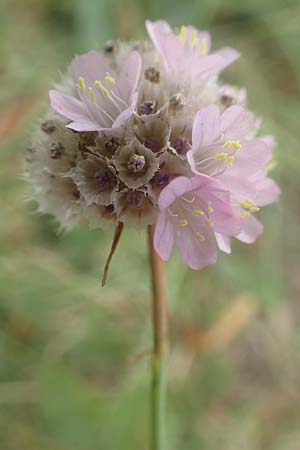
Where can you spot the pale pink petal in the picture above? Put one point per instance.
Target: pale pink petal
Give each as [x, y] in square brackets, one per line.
[223, 242]
[206, 127]
[175, 189]
[164, 236]
[84, 125]
[121, 119]
[252, 228]
[237, 122]
[253, 156]
[227, 56]
[91, 66]
[197, 254]
[68, 106]
[267, 192]
[129, 75]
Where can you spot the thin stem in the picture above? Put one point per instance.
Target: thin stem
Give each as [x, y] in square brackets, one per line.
[160, 350]
[117, 235]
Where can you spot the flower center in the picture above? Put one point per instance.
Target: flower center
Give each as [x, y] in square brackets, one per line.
[48, 126]
[182, 145]
[148, 107]
[136, 163]
[136, 199]
[105, 179]
[152, 75]
[112, 145]
[56, 150]
[177, 101]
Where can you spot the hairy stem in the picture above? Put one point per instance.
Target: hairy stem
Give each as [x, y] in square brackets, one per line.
[160, 350]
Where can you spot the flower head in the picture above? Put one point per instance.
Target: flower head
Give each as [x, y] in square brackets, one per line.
[146, 134]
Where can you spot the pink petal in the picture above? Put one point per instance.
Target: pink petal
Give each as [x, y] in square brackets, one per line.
[121, 119]
[223, 242]
[68, 106]
[252, 228]
[173, 190]
[253, 156]
[196, 254]
[267, 192]
[206, 127]
[227, 56]
[236, 122]
[91, 66]
[129, 76]
[164, 236]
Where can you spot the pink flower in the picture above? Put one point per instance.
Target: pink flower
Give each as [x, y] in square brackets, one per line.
[101, 100]
[248, 193]
[221, 143]
[191, 211]
[188, 53]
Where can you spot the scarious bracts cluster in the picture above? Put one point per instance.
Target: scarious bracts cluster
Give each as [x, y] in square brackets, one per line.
[147, 133]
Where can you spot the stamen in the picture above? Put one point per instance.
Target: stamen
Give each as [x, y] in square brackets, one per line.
[221, 156]
[188, 200]
[194, 40]
[81, 83]
[246, 214]
[110, 80]
[92, 94]
[184, 223]
[172, 213]
[272, 165]
[208, 222]
[183, 34]
[210, 209]
[236, 145]
[203, 47]
[200, 236]
[198, 212]
[103, 89]
[229, 161]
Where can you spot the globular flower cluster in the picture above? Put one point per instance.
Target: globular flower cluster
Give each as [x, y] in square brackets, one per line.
[146, 133]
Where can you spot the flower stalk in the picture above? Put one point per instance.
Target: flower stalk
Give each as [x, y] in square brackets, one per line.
[160, 348]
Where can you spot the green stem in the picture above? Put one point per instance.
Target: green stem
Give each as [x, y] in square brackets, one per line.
[160, 350]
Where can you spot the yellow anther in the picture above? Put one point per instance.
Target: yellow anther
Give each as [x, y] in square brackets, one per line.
[246, 214]
[92, 94]
[198, 213]
[208, 222]
[110, 80]
[210, 209]
[236, 145]
[184, 223]
[221, 156]
[229, 161]
[81, 83]
[183, 34]
[203, 47]
[272, 165]
[247, 204]
[194, 39]
[104, 91]
[250, 206]
[200, 236]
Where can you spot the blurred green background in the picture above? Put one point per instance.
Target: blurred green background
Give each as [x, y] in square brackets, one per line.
[70, 374]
